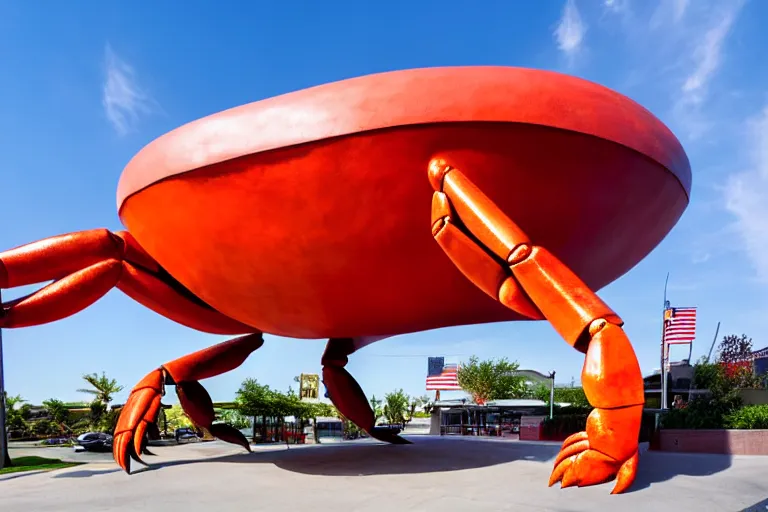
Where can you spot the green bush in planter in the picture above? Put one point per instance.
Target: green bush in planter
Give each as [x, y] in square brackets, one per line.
[748, 417]
[575, 420]
[564, 424]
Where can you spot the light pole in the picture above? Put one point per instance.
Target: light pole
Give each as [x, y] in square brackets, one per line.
[5, 458]
[552, 395]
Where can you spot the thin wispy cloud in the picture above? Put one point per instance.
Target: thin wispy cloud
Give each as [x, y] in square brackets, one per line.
[669, 11]
[745, 198]
[123, 98]
[707, 56]
[570, 30]
[706, 59]
[678, 9]
[616, 6]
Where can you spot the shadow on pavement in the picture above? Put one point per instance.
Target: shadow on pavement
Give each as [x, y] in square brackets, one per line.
[761, 506]
[359, 459]
[655, 467]
[432, 455]
[86, 473]
[14, 476]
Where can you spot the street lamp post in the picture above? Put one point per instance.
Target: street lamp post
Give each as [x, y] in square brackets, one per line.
[5, 458]
[552, 395]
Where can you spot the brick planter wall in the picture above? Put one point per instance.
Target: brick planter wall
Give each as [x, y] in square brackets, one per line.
[729, 442]
[530, 428]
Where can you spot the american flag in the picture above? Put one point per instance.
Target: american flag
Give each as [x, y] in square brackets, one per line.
[679, 325]
[442, 377]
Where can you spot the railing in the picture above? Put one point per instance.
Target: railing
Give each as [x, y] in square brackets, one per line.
[473, 430]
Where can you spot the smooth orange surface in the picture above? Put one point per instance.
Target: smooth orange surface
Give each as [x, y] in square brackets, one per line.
[333, 238]
[407, 98]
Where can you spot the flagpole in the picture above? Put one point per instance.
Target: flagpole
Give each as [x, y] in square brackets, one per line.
[4, 456]
[664, 356]
[714, 340]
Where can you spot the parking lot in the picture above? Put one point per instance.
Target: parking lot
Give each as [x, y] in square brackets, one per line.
[434, 473]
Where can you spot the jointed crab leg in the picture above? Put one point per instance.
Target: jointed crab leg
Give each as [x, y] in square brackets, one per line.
[87, 264]
[611, 376]
[346, 394]
[143, 404]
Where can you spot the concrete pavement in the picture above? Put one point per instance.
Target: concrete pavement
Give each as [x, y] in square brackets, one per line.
[441, 474]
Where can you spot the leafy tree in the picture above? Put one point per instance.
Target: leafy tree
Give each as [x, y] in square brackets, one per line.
[710, 410]
[323, 410]
[734, 349]
[734, 354]
[258, 401]
[397, 408]
[574, 396]
[491, 380]
[17, 412]
[57, 411]
[233, 418]
[102, 388]
[47, 428]
[254, 399]
[378, 411]
[175, 417]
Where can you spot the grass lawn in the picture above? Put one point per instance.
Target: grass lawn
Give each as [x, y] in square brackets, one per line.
[36, 464]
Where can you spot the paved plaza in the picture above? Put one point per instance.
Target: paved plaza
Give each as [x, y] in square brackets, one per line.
[440, 474]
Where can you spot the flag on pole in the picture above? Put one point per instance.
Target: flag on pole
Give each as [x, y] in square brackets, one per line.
[441, 376]
[679, 326]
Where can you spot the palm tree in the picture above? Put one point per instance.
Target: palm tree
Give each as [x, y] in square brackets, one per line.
[102, 388]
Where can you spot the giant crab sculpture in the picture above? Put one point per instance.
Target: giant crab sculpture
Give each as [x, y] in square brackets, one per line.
[307, 215]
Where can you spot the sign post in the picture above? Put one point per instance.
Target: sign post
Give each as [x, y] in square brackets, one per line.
[5, 459]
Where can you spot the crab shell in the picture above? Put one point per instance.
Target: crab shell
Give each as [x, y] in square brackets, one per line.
[308, 214]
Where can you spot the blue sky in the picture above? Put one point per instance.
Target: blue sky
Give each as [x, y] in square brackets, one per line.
[83, 89]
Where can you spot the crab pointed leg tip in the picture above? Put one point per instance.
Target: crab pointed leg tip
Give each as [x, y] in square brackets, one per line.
[568, 480]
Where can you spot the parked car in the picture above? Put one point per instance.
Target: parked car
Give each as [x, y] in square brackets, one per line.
[186, 435]
[395, 429]
[56, 440]
[94, 442]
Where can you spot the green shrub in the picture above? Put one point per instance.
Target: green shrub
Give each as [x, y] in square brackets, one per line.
[576, 421]
[748, 417]
[702, 413]
[564, 424]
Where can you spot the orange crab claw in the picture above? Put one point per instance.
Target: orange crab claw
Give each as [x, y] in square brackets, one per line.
[141, 409]
[139, 415]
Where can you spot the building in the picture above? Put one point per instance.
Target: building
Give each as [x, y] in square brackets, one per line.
[679, 380]
[495, 418]
[761, 361]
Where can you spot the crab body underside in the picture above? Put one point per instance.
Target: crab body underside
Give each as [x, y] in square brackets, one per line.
[327, 234]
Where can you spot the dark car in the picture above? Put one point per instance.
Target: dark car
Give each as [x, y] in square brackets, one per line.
[186, 435]
[94, 442]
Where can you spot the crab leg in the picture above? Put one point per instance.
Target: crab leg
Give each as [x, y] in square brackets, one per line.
[143, 405]
[611, 376]
[84, 266]
[346, 394]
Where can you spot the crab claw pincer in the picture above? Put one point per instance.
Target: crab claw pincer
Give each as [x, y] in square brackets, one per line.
[140, 410]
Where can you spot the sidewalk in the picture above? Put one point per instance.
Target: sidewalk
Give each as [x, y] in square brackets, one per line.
[440, 474]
